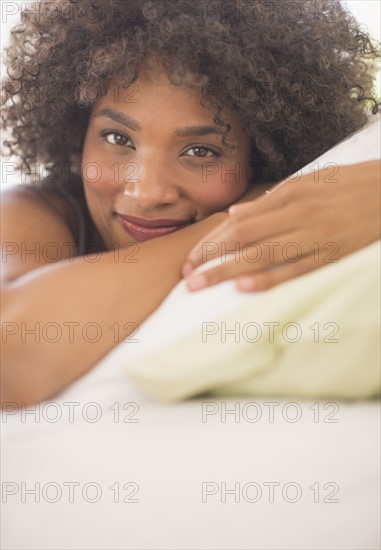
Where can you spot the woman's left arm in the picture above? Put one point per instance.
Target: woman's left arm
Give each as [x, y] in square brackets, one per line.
[297, 227]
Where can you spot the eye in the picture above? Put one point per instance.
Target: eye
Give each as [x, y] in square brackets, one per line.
[115, 138]
[202, 152]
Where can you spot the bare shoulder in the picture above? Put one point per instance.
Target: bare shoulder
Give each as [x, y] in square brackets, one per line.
[37, 229]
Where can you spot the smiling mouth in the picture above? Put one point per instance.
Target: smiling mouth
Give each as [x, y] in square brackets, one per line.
[144, 232]
[153, 222]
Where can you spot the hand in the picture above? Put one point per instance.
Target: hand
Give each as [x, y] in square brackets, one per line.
[296, 228]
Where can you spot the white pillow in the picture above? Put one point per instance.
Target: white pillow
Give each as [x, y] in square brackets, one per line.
[362, 146]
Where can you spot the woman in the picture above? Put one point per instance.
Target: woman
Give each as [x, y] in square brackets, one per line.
[151, 120]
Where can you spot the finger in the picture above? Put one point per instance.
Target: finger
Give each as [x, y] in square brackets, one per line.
[238, 233]
[227, 270]
[252, 258]
[207, 246]
[262, 203]
[281, 194]
[265, 280]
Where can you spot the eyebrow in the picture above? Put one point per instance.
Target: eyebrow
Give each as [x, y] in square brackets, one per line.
[119, 117]
[129, 122]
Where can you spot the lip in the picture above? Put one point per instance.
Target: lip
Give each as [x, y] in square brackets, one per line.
[154, 222]
[157, 227]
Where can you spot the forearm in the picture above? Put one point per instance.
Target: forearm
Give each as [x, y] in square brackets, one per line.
[80, 310]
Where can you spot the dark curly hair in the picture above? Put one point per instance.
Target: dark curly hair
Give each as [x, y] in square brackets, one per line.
[301, 74]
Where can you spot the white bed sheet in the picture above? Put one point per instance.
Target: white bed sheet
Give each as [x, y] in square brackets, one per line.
[170, 452]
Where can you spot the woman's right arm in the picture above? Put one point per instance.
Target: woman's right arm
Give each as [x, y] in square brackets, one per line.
[59, 319]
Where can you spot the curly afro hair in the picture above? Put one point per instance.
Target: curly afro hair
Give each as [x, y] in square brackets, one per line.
[301, 74]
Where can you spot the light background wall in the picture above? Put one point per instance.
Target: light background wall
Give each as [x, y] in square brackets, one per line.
[367, 12]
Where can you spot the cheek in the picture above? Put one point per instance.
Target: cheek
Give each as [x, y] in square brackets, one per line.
[222, 188]
[98, 177]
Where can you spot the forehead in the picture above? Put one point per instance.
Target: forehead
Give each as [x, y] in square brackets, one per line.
[153, 90]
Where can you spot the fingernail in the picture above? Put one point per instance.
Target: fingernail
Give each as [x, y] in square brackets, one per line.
[236, 210]
[246, 283]
[233, 209]
[187, 269]
[197, 282]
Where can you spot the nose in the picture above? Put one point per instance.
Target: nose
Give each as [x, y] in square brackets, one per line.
[151, 185]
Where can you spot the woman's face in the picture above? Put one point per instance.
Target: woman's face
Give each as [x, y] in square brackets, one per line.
[153, 152]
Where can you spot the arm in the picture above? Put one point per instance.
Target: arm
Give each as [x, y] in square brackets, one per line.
[113, 296]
